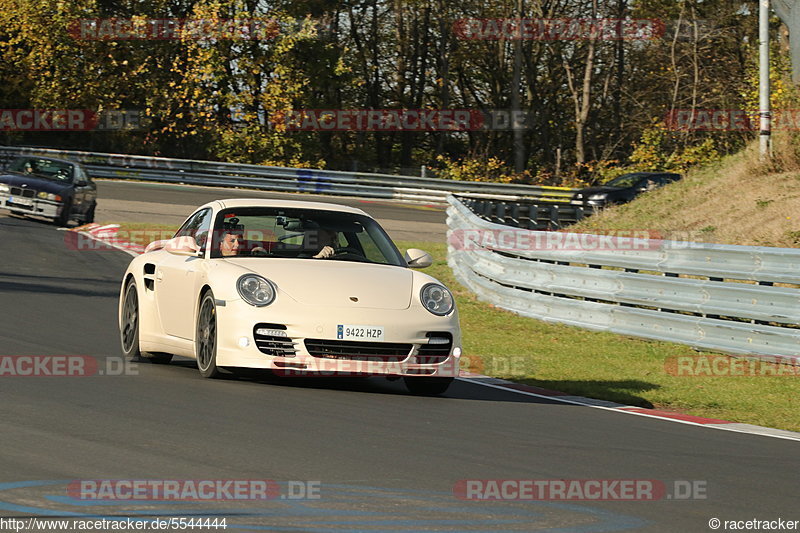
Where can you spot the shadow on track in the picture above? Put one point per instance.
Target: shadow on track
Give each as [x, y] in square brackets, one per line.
[182, 367]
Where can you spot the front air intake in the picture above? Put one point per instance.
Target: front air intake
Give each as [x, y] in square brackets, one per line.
[271, 339]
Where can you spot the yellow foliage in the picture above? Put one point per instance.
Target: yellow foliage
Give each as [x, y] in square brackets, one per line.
[474, 169]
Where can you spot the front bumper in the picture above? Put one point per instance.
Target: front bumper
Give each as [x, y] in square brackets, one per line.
[236, 346]
[30, 206]
[588, 203]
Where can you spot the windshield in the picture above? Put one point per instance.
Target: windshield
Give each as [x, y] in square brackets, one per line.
[264, 232]
[43, 168]
[626, 180]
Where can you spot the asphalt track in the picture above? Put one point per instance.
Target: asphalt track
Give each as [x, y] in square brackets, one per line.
[141, 202]
[384, 460]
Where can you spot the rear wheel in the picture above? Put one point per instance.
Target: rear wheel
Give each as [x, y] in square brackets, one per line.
[427, 386]
[129, 327]
[206, 337]
[129, 330]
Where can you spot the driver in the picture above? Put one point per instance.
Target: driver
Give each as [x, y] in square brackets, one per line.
[29, 167]
[327, 239]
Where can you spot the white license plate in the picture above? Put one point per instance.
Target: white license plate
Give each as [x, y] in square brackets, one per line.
[19, 201]
[351, 332]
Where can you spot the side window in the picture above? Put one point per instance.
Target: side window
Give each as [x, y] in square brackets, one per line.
[197, 226]
[650, 183]
[370, 248]
[80, 174]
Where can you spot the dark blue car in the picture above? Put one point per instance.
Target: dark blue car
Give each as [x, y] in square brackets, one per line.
[51, 188]
[622, 189]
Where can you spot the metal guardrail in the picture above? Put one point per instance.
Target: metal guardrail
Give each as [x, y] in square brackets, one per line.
[541, 213]
[367, 185]
[730, 304]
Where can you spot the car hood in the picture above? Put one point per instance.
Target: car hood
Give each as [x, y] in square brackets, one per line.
[321, 282]
[38, 184]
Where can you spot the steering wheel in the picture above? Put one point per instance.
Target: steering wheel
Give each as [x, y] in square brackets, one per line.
[345, 250]
[259, 252]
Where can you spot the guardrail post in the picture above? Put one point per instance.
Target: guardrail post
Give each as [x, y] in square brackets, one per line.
[533, 216]
[553, 223]
[501, 213]
[515, 214]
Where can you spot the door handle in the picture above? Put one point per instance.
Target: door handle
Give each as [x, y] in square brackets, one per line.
[159, 276]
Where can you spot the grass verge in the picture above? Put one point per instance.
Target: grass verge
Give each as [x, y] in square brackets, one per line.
[593, 364]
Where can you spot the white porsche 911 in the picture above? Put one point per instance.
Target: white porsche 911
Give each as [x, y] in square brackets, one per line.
[300, 288]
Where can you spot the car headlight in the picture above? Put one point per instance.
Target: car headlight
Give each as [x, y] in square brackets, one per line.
[436, 299]
[256, 290]
[597, 197]
[4, 187]
[48, 196]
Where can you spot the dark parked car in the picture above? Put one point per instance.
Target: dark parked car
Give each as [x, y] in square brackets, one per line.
[622, 189]
[51, 188]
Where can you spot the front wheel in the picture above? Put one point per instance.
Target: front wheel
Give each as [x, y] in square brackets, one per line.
[427, 386]
[206, 337]
[62, 220]
[90, 214]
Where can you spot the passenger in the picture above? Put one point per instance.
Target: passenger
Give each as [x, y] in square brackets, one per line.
[229, 245]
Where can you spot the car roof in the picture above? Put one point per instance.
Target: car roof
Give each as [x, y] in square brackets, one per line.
[289, 204]
[649, 174]
[57, 159]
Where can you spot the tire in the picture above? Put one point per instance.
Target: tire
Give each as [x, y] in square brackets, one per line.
[129, 332]
[62, 220]
[129, 328]
[206, 337]
[427, 386]
[90, 217]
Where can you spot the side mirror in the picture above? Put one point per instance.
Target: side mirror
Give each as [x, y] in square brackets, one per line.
[82, 183]
[183, 246]
[418, 258]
